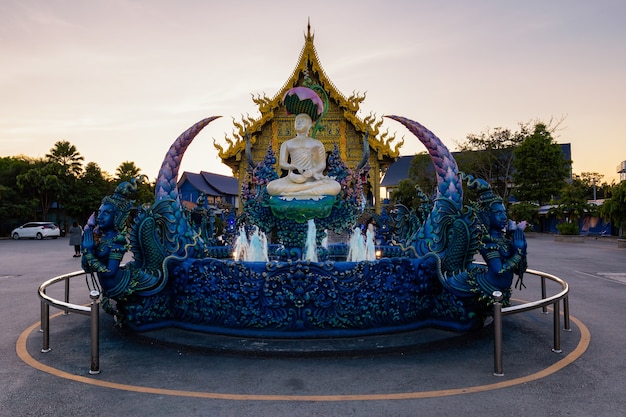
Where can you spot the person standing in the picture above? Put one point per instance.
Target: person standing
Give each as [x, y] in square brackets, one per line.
[76, 237]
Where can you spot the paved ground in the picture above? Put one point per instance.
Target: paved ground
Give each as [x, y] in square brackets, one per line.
[440, 374]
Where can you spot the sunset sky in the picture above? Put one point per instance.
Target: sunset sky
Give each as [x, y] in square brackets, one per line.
[121, 79]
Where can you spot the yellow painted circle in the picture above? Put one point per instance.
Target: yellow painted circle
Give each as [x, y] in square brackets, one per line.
[582, 346]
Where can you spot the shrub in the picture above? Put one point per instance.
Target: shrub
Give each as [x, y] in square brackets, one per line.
[568, 228]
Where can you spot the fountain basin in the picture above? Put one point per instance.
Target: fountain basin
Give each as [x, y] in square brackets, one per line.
[299, 299]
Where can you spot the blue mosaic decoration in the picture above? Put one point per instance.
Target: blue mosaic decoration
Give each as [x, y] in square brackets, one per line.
[425, 278]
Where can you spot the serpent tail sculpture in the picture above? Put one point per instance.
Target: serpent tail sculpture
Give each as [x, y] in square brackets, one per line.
[448, 204]
[168, 174]
[449, 235]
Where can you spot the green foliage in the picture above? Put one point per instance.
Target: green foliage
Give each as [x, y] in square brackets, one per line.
[422, 173]
[67, 156]
[89, 189]
[596, 189]
[524, 211]
[568, 228]
[145, 190]
[540, 167]
[614, 208]
[489, 155]
[14, 205]
[65, 159]
[572, 202]
[127, 171]
[42, 183]
[29, 186]
[406, 194]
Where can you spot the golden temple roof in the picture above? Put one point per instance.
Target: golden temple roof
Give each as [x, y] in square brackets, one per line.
[309, 66]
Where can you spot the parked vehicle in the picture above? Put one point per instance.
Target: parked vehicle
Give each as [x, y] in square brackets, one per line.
[36, 230]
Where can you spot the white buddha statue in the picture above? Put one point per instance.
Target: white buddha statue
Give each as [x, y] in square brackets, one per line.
[305, 160]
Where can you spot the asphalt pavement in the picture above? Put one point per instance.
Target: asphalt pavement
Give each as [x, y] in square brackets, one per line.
[424, 373]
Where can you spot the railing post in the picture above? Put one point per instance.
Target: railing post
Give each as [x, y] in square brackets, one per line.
[566, 324]
[497, 334]
[557, 328]
[95, 332]
[41, 319]
[45, 326]
[67, 294]
[544, 309]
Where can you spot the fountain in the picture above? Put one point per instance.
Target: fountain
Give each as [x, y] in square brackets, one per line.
[310, 247]
[356, 247]
[370, 246]
[240, 251]
[257, 247]
[427, 278]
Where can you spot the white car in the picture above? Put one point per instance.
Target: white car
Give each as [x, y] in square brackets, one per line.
[36, 230]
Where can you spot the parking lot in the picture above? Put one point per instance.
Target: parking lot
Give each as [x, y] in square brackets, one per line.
[436, 374]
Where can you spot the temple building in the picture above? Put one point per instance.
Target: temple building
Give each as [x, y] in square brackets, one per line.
[218, 190]
[340, 126]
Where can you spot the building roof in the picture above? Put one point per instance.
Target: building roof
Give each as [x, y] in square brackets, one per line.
[211, 184]
[397, 171]
[224, 184]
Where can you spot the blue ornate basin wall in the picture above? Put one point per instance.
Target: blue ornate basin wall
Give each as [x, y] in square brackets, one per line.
[303, 299]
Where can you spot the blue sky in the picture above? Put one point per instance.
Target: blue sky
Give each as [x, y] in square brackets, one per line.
[122, 79]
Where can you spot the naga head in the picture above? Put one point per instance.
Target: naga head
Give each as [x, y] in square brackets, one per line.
[489, 205]
[120, 202]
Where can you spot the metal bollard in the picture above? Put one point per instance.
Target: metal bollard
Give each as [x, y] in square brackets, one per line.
[497, 334]
[95, 333]
[45, 327]
[67, 295]
[566, 324]
[556, 328]
[544, 309]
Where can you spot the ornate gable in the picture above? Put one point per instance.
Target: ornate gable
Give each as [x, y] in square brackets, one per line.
[340, 125]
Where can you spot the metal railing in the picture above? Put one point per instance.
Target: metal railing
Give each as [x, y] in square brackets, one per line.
[498, 312]
[93, 311]
[543, 303]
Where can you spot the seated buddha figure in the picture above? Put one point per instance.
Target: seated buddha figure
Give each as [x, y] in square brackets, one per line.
[305, 160]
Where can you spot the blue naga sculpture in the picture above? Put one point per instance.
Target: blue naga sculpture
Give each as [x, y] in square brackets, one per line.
[429, 280]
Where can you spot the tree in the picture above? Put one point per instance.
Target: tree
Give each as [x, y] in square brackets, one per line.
[43, 184]
[422, 173]
[126, 171]
[595, 188]
[572, 205]
[145, 190]
[489, 155]
[524, 211]
[406, 194]
[66, 155]
[15, 207]
[68, 163]
[614, 208]
[90, 188]
[540, 169]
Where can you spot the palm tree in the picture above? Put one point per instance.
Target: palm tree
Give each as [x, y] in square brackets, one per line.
[145, 190]
[66, 155]
[126, 171]
[68, 163]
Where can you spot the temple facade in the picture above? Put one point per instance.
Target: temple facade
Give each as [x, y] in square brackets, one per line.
[340, 126]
